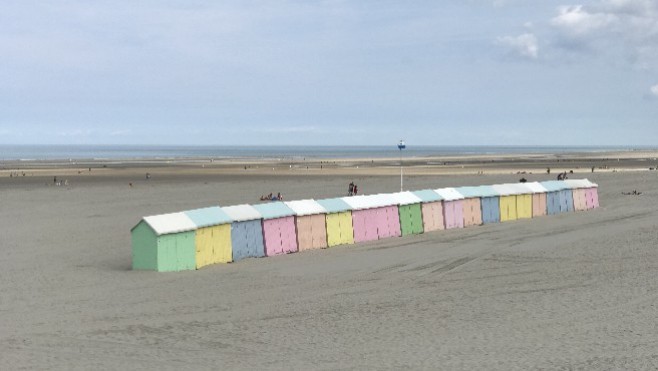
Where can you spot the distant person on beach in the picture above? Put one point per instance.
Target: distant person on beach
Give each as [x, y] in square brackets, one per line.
[279, 197]
[356, 190]
[523, 180]
[350, 189]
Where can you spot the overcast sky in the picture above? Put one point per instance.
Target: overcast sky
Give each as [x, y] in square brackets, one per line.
[459, 72]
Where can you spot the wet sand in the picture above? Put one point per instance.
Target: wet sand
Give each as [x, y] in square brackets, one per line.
[578, 290]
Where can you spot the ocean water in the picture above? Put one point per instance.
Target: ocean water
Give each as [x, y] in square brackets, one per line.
[116, 152]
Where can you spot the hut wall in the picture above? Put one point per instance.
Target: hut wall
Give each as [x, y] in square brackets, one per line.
[213, 245]
[579, 199]
[553, 203]
[592, 196]
[247, 240]
[566, 200]
[472, 212]
[311, 232]
[490, 210]
[432, 216]
[365, 225]
[176, 252]
[144, 247]
[411, 220]
[507, 208]
[524, 206]
[538, 204]
[453, 214]
[339, 229]
[279, 236]
[392, 226]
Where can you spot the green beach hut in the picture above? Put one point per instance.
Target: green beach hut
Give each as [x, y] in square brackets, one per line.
[164, 243]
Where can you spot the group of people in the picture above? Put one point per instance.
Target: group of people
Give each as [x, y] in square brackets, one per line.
[271, 197]
[562, 176]
[352, 189]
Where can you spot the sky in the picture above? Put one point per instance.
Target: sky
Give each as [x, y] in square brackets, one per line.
[438, 72]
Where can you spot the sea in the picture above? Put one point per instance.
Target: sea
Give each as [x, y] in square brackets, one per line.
[118, 152]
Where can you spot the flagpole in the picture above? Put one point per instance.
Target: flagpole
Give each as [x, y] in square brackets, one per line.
[401, 146]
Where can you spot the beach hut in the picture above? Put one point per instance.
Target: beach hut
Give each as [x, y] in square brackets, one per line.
[585, 194]
[431, 209]
[453, 209]
[246, 232]
[507, 202]
[338, 221]
[538, 198]
[212, 237]
[410, 213]
[374, 217]
[559, 198]
[164, 243]
[523, 200]
[489, 204]
[310, 224]
[279, 235]
[472, 206]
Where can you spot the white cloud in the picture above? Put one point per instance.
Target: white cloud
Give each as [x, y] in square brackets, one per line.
[654, 90]
[578, 21]
[620, 28]
[525, 45]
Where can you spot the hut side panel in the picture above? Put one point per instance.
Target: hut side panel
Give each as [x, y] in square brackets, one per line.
[453, 214]
[339, 229]
[538, 204]
[592, 195]
[392, 221]
[432, 216]
[471, 212]
[579, 199]
[553, 203]
[415, 213]
[144, 247]
[213, 245]
[359, 222]
[490, 210]
[279, 236]
[304, 232]
[507, 208]
[247, 240]
[319, 231]
[176, 252]
[524, 206]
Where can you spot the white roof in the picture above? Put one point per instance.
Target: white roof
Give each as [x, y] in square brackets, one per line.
[370, 201]
[580, 183]
[449, 194]
[170, 223]
[242, 213]
[504, 189]
[405, 198]
[536, 187]
[306, 207]
[520, 188]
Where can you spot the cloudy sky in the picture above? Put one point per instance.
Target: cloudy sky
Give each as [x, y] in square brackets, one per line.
[436, 72]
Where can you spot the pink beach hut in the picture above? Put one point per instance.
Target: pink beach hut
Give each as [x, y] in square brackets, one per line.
[585, 194]
[374, 217]
[310, 224]
[279, 234]
[432, 210]
[453, 208]
[538, 198]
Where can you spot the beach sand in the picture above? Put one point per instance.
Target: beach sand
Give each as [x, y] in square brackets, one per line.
[572, 291]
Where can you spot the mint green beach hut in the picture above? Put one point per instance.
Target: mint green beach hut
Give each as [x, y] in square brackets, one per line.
[164, 243]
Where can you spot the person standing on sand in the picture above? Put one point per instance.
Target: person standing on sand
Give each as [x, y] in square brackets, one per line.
[350, 189]
[356, 190]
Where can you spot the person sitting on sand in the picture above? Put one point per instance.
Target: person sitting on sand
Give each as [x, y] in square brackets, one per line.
[279, 197]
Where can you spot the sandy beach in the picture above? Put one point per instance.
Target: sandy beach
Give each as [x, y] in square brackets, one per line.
[573, 291]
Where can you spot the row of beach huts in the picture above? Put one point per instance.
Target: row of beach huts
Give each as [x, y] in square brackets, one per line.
[193, 239]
